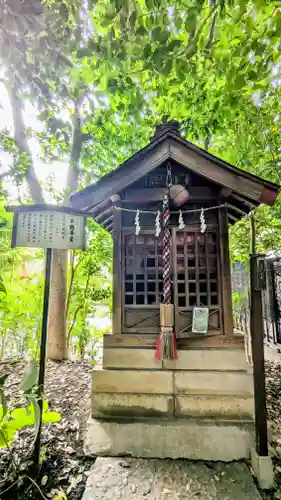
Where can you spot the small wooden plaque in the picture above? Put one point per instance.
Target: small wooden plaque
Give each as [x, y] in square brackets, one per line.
[167, 315]
[200, 319]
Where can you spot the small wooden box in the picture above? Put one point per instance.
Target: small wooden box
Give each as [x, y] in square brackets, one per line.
[167, 315]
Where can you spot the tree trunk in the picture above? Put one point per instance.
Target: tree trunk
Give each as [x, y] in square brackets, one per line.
[34, 185]
[57, 348]
[57, 331]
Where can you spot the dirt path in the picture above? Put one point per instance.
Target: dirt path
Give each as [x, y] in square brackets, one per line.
[68, 390]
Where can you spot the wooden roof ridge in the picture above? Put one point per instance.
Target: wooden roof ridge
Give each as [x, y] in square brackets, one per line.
[85, 199]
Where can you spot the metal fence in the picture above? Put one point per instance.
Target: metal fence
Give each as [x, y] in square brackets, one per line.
[241, 304]
[240, 296]
[271, 296]
[272, 301]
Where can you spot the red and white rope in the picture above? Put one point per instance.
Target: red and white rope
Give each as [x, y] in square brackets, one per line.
[167, 295]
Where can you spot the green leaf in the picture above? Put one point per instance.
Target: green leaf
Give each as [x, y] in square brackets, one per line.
[51, 417]
[7, 433]
[164, 36]
[155, 34]
[168, 67]
[30, 376]
[174, 44]
[3, 403]
[112, 85]
[149, 4]
[191, 20]
[3, 288]
[141, 31]
[3, 379]
[147, 51]
[132, 19]
[23, 417]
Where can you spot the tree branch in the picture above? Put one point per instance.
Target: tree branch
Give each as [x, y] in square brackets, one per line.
[22, 142]
[73, 322]
[72, 274]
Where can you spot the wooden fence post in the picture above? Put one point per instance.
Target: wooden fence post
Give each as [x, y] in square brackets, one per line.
[256, 281]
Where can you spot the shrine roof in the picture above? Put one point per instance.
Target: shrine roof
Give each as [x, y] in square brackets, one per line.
[245, 188]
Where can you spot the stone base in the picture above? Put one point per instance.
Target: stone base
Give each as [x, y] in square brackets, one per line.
[263, 470]
[192, 439]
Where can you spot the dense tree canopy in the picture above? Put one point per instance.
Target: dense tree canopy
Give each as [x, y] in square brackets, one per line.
[99, 75]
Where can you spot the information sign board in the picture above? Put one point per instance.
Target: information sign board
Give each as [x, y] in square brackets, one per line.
[48, 229]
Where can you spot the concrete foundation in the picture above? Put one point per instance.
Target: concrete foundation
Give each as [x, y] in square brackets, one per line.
[191, 439]
[200, 406]
[263, 470]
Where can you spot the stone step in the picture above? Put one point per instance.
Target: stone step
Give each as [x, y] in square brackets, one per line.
[226, 407]
[195, 359]
[212, 382]
[134, 406]
[191, 439]
[169, 382]
[133, 381]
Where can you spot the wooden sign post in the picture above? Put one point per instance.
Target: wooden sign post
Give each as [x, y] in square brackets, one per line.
[48, 227]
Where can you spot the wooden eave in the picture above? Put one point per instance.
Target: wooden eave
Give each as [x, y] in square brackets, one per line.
[244, 190]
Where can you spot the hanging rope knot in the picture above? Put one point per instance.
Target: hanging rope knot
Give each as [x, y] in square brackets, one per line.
[202, 221]
[157, 224]
[137, 222]
[169, 176]
[181, 221]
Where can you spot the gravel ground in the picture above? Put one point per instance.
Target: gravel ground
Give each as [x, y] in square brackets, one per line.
[134, 479]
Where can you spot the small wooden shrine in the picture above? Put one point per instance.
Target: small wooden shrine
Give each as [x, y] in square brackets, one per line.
[173, 370]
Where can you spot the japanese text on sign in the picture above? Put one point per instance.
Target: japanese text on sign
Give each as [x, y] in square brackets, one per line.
[49, 229]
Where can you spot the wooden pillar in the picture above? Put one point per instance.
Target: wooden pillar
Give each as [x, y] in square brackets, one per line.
[117, 268]
[252, 234]
[258, 356]
[226, 290]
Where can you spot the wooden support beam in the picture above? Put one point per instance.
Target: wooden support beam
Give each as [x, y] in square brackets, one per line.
[117, 271]
[232, 218]
[258, 358]
[252, 234]
[225, 272]
[100, 208]
[99, 218]
[156, 194]
[108, 221]
[250, 204]
[236, 209]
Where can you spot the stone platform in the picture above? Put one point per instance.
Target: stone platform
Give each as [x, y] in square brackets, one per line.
[199, 406]
[198, 439]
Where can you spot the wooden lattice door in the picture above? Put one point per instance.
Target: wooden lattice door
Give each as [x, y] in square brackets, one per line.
[195, 277]
[143, 281]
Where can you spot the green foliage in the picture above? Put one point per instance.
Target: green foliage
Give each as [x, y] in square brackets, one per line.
[12, 421]
[99, 75]
[268, 234]
[21, 311]
[90, 286]
[15, 420]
